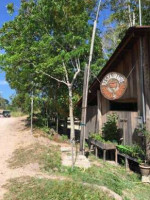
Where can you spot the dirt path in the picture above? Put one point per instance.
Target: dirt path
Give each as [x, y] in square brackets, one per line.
[13, 135]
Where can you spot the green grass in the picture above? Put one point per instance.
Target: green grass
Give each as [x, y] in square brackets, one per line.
[139, 192]
[17, 114]
[48, 157]
[41, 189]
[115, 178]
[125, 183]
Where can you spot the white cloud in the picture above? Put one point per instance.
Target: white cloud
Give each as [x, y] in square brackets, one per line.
[3, 82]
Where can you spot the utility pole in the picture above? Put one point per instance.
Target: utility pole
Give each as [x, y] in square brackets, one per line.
[84, 111]
[140, 13]
[86, 85]
[143, 113]
[129, 12]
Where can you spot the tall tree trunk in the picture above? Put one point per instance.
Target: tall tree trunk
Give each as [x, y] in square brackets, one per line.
[72, 134]
[47, 117]
[32, 102]
[57, 123]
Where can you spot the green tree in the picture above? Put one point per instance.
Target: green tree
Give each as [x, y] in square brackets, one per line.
[21, 102]
[49, 41]
[124, 14]
[3, 102]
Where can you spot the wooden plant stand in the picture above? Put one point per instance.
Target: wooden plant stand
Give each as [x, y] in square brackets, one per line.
[127, 158]
[104, 147]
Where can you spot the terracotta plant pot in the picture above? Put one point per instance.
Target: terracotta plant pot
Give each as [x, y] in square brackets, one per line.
[145, 169]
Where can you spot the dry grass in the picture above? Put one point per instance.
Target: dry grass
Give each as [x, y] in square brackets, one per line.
[49, 157]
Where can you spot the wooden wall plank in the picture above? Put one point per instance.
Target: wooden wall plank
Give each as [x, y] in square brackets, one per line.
[99, 105]
[146, 68]
[92, 120]
[131, 58]
[138, 79]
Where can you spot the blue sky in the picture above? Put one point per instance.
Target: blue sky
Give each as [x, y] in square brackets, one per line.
[5, 90]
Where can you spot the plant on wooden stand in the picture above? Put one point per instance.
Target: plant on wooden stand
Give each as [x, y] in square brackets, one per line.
[135, 151]
[145, 166]
[110, 130]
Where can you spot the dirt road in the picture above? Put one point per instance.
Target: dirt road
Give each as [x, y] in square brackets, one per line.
[13, 134]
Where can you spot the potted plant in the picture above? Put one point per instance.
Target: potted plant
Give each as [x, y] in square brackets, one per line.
[145, 166]
[144, 169]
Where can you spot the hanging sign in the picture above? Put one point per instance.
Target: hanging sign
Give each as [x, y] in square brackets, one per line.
[113, 85]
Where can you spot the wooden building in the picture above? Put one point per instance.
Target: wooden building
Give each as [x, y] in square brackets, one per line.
[132, 59]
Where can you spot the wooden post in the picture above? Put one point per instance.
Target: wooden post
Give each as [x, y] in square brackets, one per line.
[96, 151]
[104, 155]
[140, 13]
[116, 156]
[146, 69]
[84, 112]
[142, 79]
[86, 84]
[126, 163]
[137, 56]
[99, 111]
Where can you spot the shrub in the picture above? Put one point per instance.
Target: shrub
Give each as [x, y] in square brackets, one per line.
[110, 130]
[98, 137]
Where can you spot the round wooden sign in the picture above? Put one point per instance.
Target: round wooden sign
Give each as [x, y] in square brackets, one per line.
[113, 85]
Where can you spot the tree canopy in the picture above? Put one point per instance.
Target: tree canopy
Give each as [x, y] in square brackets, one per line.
[124, 14]
[3, 103]
[46, 45]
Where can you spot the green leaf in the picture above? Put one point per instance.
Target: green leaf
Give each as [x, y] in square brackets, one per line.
[10, 8]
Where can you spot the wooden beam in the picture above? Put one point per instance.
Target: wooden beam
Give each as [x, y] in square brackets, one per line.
[96, 151]
[136, 54]
[104, 155]
[99, 110]
[84, 111]
[146, 69]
